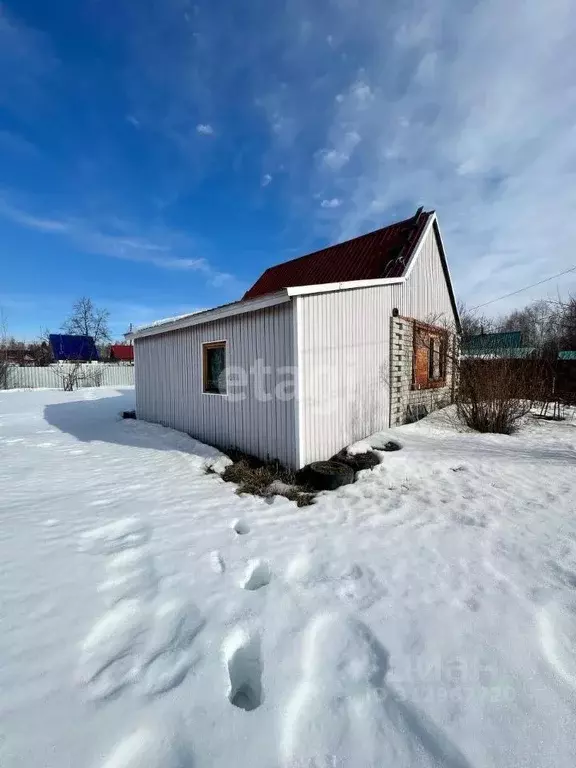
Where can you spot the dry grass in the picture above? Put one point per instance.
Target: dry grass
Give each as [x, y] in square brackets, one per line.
[255, 477]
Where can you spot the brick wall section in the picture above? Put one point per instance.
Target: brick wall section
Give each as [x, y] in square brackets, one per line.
[401, 359]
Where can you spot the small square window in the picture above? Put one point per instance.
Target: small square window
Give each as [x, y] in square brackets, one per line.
[214, 367]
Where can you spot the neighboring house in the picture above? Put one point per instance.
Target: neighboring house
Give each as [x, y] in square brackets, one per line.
[17, 356]
[73, 348]
[566, 374]
[123, 353]
[503, 346]
[321, 351]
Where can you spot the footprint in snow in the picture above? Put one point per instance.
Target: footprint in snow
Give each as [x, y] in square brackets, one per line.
[241, 652]
[217, 562]
[168, 654]
[127, 533]
[145, 636]
[258, 575]
[343, 712]
[557, 629]
[130, 574]
[241, 527]
[152, 746]
[107, 655]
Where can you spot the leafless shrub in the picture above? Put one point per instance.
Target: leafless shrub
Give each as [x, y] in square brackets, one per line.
[70, 375]
[95, 377]
[494, 395]
[5, 366]
[5, 373]
[73, 375]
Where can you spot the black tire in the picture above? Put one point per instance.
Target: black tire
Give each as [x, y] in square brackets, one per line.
[128, 414]
[358, 461]
[391, 445]
[327, 475]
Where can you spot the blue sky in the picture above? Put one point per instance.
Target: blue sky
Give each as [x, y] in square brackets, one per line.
[157, 156]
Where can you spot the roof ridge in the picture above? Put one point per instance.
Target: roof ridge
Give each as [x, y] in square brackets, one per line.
[345, 242]
[371, 255]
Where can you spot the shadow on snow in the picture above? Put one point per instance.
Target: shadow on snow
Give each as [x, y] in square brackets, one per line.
[100, 420]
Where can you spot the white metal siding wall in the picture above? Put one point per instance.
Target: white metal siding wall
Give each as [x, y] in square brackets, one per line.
[169, 383]
[425, 294]
[344, 353]
[344, 362]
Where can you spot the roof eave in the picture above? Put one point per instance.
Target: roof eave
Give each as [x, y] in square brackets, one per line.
[210, 315]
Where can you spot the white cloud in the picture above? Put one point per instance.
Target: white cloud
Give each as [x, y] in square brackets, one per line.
[266, 180]
[205, 129]
[133, 121]
[334, 159]
[162, 247]
[38, 223]
[453, 106]
[344, 146]
[362, 93]
[454, 114]
[333, 202]
[456, 106]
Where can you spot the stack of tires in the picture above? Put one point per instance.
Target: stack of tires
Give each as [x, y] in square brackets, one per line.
[339, 470]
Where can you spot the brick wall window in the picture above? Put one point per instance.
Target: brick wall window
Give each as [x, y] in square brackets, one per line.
[430, 353]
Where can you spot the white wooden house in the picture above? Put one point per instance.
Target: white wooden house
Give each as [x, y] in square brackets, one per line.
[322, 351]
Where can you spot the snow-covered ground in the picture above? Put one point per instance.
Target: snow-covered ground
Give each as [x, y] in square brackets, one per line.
[151, 618]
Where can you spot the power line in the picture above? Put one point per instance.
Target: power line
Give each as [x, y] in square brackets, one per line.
[533, 285]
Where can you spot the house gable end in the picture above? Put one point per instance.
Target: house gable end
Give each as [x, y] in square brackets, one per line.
[428, 267]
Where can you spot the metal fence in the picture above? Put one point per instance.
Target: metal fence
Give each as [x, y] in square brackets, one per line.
[53, 376]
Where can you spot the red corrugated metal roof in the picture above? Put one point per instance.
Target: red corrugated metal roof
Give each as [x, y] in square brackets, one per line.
[122, 352]
[383, 253]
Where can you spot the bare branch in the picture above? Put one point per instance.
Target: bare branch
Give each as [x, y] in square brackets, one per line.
[88, 320]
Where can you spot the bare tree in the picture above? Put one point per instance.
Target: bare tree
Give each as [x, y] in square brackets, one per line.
[472, 323]
[567, 325]
[5, 367]
[538, 323]
[88, 320]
